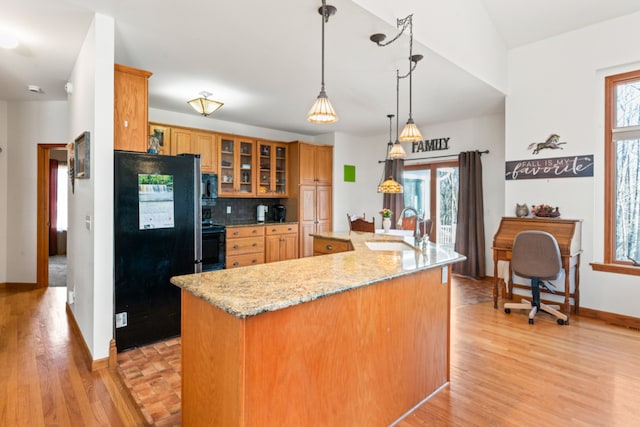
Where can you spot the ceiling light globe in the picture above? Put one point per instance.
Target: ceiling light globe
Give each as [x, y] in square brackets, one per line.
[397, 152]
[322, 111]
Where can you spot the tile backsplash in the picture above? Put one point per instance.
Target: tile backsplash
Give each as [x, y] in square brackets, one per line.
[242, 210]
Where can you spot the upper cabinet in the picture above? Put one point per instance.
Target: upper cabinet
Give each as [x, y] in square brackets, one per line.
[177, 140]
[272, 170]
[236, 167]
[316, 164]
[131, 110]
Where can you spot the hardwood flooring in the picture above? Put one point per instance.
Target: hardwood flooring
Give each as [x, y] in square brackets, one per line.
[504, 372]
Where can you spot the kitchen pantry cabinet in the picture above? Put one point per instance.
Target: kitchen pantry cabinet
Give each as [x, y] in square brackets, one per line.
[245, 246]
[310, 191]
[236, 169]
[272, 170]
[281, 242]
[131, 108]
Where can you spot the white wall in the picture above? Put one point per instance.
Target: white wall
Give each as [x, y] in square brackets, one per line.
[4, 180]
[557, 86]
[90, 235]
[460, 31]
[29, 124]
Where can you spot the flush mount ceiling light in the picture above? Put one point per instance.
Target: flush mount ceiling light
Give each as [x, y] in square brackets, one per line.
[389, 186]
[322, 111]
[204, 105]
[410, 133]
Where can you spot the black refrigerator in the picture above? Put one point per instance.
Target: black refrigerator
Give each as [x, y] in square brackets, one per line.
[157, 235]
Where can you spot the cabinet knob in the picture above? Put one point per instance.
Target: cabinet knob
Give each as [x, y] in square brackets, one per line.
[273, 230]
[254, 231]
[254, 245]
[253, 261]
[235, 264]
[236, 246]
[235, 233]
[329, 247]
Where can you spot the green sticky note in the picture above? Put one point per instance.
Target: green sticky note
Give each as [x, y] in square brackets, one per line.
[349, 173]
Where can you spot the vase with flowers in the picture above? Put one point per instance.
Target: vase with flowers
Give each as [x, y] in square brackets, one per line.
[386, 219]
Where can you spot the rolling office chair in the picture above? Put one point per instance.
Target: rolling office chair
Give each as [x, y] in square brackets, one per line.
[536, 256]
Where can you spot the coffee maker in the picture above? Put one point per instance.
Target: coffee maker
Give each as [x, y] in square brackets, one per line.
[279, 213]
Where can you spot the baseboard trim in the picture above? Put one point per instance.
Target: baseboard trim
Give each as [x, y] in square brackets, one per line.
[93, 365]
[611, 318]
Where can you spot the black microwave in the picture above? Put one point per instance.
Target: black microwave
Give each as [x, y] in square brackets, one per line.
[209, 186]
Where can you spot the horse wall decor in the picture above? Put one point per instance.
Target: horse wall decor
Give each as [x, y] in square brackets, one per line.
[551, 142]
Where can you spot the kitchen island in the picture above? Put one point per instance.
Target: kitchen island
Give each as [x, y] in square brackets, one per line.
[353, 338]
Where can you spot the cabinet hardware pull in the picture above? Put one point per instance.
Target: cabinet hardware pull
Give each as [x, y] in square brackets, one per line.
[329, 247]
[235, 233]
[235, 264]
[253, 261]
[236, 246]
[254, 245]
[273, 230]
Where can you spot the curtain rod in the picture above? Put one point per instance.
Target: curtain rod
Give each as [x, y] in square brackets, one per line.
[436, 157]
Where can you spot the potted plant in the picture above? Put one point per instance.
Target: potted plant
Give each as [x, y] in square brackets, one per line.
[386, 219]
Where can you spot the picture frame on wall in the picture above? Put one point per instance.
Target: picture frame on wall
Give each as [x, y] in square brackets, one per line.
[71, 160]
[82, 148]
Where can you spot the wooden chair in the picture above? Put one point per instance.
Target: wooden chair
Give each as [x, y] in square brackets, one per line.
[361, 224]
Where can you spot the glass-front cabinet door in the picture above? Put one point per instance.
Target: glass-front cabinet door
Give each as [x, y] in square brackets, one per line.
[272, 172]
[236, 174]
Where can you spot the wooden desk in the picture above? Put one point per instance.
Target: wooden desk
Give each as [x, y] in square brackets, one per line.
[568, 233]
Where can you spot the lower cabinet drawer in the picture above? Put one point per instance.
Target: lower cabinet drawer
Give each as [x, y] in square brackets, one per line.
[245, 245]
[330, 246]
[235, 261]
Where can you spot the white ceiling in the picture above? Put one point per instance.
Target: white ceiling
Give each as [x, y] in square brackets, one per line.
[262, 59]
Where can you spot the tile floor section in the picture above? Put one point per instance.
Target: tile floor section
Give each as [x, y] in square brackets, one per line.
[153, 375]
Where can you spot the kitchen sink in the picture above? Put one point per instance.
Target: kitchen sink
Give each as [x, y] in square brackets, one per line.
[389, 246]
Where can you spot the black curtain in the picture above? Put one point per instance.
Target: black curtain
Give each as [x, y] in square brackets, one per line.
[470, 227]
[394, 168]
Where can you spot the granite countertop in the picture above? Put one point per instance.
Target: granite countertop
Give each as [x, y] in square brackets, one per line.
[249, 291]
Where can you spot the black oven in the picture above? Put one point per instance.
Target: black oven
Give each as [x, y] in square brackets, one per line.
[213, 247]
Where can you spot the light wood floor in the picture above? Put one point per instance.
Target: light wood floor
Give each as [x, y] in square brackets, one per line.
[504, 372]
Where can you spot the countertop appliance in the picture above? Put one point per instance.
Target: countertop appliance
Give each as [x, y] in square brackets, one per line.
[157, 235]
[279, 213]
[261, 212]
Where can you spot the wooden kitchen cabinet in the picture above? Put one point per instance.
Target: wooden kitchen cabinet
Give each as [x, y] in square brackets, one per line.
[272, 169]
[281, 242]
[236, 167]
[244, 246]
[185, 140]
[316, 164]
[310, 191]
[131, 108]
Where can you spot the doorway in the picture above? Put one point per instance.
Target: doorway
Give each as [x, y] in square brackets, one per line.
[44, 243]
[433, 190]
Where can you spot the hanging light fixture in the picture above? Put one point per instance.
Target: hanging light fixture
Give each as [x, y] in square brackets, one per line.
[396, 151]
[322, 111]
[204, 105]
[410, 133]
[389, 185]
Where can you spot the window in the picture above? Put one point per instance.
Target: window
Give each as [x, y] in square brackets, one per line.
[622, 172]
[432, 189]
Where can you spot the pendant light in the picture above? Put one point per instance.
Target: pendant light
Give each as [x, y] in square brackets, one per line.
[389, 186]
[410, 133]
[204, 105]
[322, 111]
[396, 151]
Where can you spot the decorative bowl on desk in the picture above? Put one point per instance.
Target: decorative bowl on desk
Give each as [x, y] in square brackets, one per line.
[545, 211]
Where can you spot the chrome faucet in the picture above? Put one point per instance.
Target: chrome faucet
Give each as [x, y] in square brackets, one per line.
[416, 233]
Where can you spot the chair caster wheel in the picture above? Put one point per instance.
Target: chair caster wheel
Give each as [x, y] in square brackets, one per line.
[507, 310]
[531, 321]
[560, 322]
